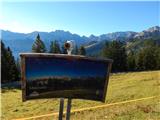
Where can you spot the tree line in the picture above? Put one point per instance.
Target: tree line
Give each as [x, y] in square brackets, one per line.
[147, 57]
[39, 47]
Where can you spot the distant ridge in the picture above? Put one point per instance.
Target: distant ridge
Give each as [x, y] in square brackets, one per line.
[22, 42]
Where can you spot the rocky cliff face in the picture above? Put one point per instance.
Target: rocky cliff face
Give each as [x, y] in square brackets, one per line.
[151, 32]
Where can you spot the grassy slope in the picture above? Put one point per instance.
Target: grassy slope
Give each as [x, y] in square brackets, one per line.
[122, 87]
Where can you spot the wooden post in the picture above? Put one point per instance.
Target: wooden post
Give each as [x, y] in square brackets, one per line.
[61, 108]
[68, 109]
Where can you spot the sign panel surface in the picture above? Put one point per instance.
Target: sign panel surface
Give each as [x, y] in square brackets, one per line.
[55, 76]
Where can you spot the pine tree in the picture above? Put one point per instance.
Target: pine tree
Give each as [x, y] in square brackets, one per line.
[131, 61]
[157, 52]
[9, 69]
[116, 50]
[55, 47]
[139, 60]
[76, 50]
[148, 57]
[51, 47]
[13, 71]
[82, 51]
[38, 46]
[18, 66]
[4, 64]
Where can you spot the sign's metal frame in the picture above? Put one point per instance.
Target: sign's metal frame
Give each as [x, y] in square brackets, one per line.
[24, 55]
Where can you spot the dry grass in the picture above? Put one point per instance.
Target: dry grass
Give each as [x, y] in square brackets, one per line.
[123, 86]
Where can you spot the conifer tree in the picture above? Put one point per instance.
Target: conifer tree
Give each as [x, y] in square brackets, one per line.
[82, 51]
[116, 50]
[157, 52]
[147, 58]
[131, 61]
[4, 64]
[76, 50]
[139, 60]
[55, 47]
[9, 69]
[51, 47]
[13, 71]
[38, 46]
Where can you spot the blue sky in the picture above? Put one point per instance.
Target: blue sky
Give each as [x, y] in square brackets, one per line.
[83, 18]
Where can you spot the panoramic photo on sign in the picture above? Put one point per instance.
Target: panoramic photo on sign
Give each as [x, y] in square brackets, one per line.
[64, 76]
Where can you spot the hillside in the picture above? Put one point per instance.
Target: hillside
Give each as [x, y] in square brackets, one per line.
[134, 41]
[122, 87]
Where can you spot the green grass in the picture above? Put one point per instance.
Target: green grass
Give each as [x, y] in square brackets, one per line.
[123, 86]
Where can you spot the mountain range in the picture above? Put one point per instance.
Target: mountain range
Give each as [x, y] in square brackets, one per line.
[21, 42]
